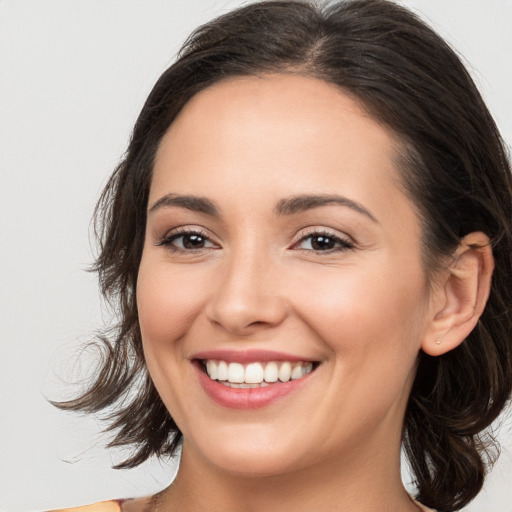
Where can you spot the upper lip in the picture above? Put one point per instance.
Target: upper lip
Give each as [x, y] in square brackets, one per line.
[249, 356]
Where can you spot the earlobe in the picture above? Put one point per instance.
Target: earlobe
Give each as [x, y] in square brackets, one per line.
[461, 296]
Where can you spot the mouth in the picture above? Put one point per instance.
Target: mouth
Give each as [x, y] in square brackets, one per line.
[256, 374]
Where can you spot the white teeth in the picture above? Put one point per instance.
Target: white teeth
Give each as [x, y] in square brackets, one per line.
[222, 370]
[296, 372]
[285, 372]
[236, 373]
[271, 372]
[256, 374]
[243, 385]
[211, 369]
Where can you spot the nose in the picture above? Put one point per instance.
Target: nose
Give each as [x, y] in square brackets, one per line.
[247, 298]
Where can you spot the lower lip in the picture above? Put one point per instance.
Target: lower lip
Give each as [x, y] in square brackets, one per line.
[247, 398]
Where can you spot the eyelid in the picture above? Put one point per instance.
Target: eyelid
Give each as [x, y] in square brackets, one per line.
[345, 240]
[173, 234]
[342, 240]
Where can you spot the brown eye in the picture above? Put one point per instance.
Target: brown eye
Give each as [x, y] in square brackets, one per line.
[187, 241]
[323, 242]
[192, 241]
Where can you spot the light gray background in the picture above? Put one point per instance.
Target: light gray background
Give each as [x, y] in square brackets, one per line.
[73, 76]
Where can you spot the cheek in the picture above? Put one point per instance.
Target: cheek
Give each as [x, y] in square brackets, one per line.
[372, 324]
[167, 303]
[357, 310]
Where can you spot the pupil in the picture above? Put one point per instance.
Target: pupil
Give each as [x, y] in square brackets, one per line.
[193, 241]
[322, 242]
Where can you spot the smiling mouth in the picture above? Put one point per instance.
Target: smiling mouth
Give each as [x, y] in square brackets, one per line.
[255, 374]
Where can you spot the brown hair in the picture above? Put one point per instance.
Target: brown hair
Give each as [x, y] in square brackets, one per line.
[454, 168]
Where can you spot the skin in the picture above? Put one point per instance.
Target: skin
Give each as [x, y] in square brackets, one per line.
[363, 312]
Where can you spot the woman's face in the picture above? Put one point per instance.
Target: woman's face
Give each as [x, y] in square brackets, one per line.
[277, 234]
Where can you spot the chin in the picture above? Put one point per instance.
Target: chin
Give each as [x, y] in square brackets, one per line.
[251, 454]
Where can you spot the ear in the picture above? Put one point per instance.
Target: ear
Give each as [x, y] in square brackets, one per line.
[460, 295]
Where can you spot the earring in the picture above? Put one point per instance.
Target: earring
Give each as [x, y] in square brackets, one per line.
[438, 342]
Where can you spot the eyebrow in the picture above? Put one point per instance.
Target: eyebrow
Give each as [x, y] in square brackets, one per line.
[296, 204]
[288, 206]
[194, 203]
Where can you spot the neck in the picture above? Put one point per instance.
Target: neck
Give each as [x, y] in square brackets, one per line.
[343, 484]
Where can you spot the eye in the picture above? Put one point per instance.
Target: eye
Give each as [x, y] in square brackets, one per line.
[323, 242]
[187, 240]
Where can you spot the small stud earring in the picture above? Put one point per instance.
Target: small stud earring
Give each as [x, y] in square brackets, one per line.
[438, 342]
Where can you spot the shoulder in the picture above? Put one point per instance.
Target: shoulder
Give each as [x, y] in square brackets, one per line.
[125, 505]
[102, 506]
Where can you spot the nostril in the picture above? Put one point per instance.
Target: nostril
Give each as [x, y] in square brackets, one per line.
[242, 307]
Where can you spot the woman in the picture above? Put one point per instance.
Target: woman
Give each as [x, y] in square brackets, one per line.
[309, 242]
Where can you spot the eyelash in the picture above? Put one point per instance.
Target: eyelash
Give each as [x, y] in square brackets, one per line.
[344, 244]
[167, 241]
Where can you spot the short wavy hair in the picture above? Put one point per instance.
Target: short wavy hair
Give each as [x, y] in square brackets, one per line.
[453, 165]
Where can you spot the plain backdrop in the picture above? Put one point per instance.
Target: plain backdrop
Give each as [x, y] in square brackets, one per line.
[73, 76]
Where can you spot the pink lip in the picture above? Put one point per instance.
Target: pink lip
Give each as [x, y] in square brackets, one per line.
[250, 398]
[248, 356]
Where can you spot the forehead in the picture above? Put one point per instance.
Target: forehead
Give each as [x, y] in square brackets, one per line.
[275, 136]
[272, 121]
[272, 100]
